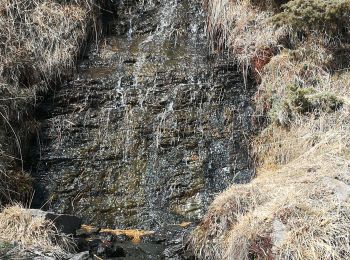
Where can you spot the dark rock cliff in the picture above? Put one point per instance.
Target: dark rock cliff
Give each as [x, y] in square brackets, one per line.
[151, 126]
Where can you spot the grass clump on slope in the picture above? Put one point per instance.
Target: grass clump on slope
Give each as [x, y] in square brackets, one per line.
[298, 205]
[23, 235]
[39, 42]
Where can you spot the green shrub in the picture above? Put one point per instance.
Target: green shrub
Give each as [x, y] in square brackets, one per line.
[325, 15]
[300, 101]
[269, 4]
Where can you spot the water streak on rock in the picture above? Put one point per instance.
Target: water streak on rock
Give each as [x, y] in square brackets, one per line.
[151, 126]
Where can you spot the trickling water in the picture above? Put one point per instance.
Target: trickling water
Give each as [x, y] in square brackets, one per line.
[150, 128]
[130, 29]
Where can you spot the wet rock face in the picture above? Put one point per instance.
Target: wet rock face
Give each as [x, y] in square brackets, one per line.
[151, 126]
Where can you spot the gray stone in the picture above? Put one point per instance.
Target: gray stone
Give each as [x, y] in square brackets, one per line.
[67, 224]
[341, 189]
[43, 258]
[81, 256]
[279, 234]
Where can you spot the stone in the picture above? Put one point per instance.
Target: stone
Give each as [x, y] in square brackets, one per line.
[67, 224]
[167, 242]
[279, 234]
[87, 232]
[121, 238]
[115, 251]
[81, 256]
[340, 189]
[43, 258]
[176, 244]
[95, 245]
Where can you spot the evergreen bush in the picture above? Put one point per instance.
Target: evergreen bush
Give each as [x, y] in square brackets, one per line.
[325, 15]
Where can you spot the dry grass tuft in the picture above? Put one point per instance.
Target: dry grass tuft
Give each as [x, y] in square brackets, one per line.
[301, 81]
[39, 42]
[298, 206]
[244, 28]
[31, 234]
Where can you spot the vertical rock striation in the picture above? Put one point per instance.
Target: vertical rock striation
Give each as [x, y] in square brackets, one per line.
[151, 126]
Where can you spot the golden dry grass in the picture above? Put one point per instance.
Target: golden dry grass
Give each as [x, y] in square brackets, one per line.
[31, 234]
[39, 43]
[242, 27]
[298, 205]
[39, 40]
[308, 68]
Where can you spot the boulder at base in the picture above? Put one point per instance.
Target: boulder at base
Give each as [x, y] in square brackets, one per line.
[67, 224]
